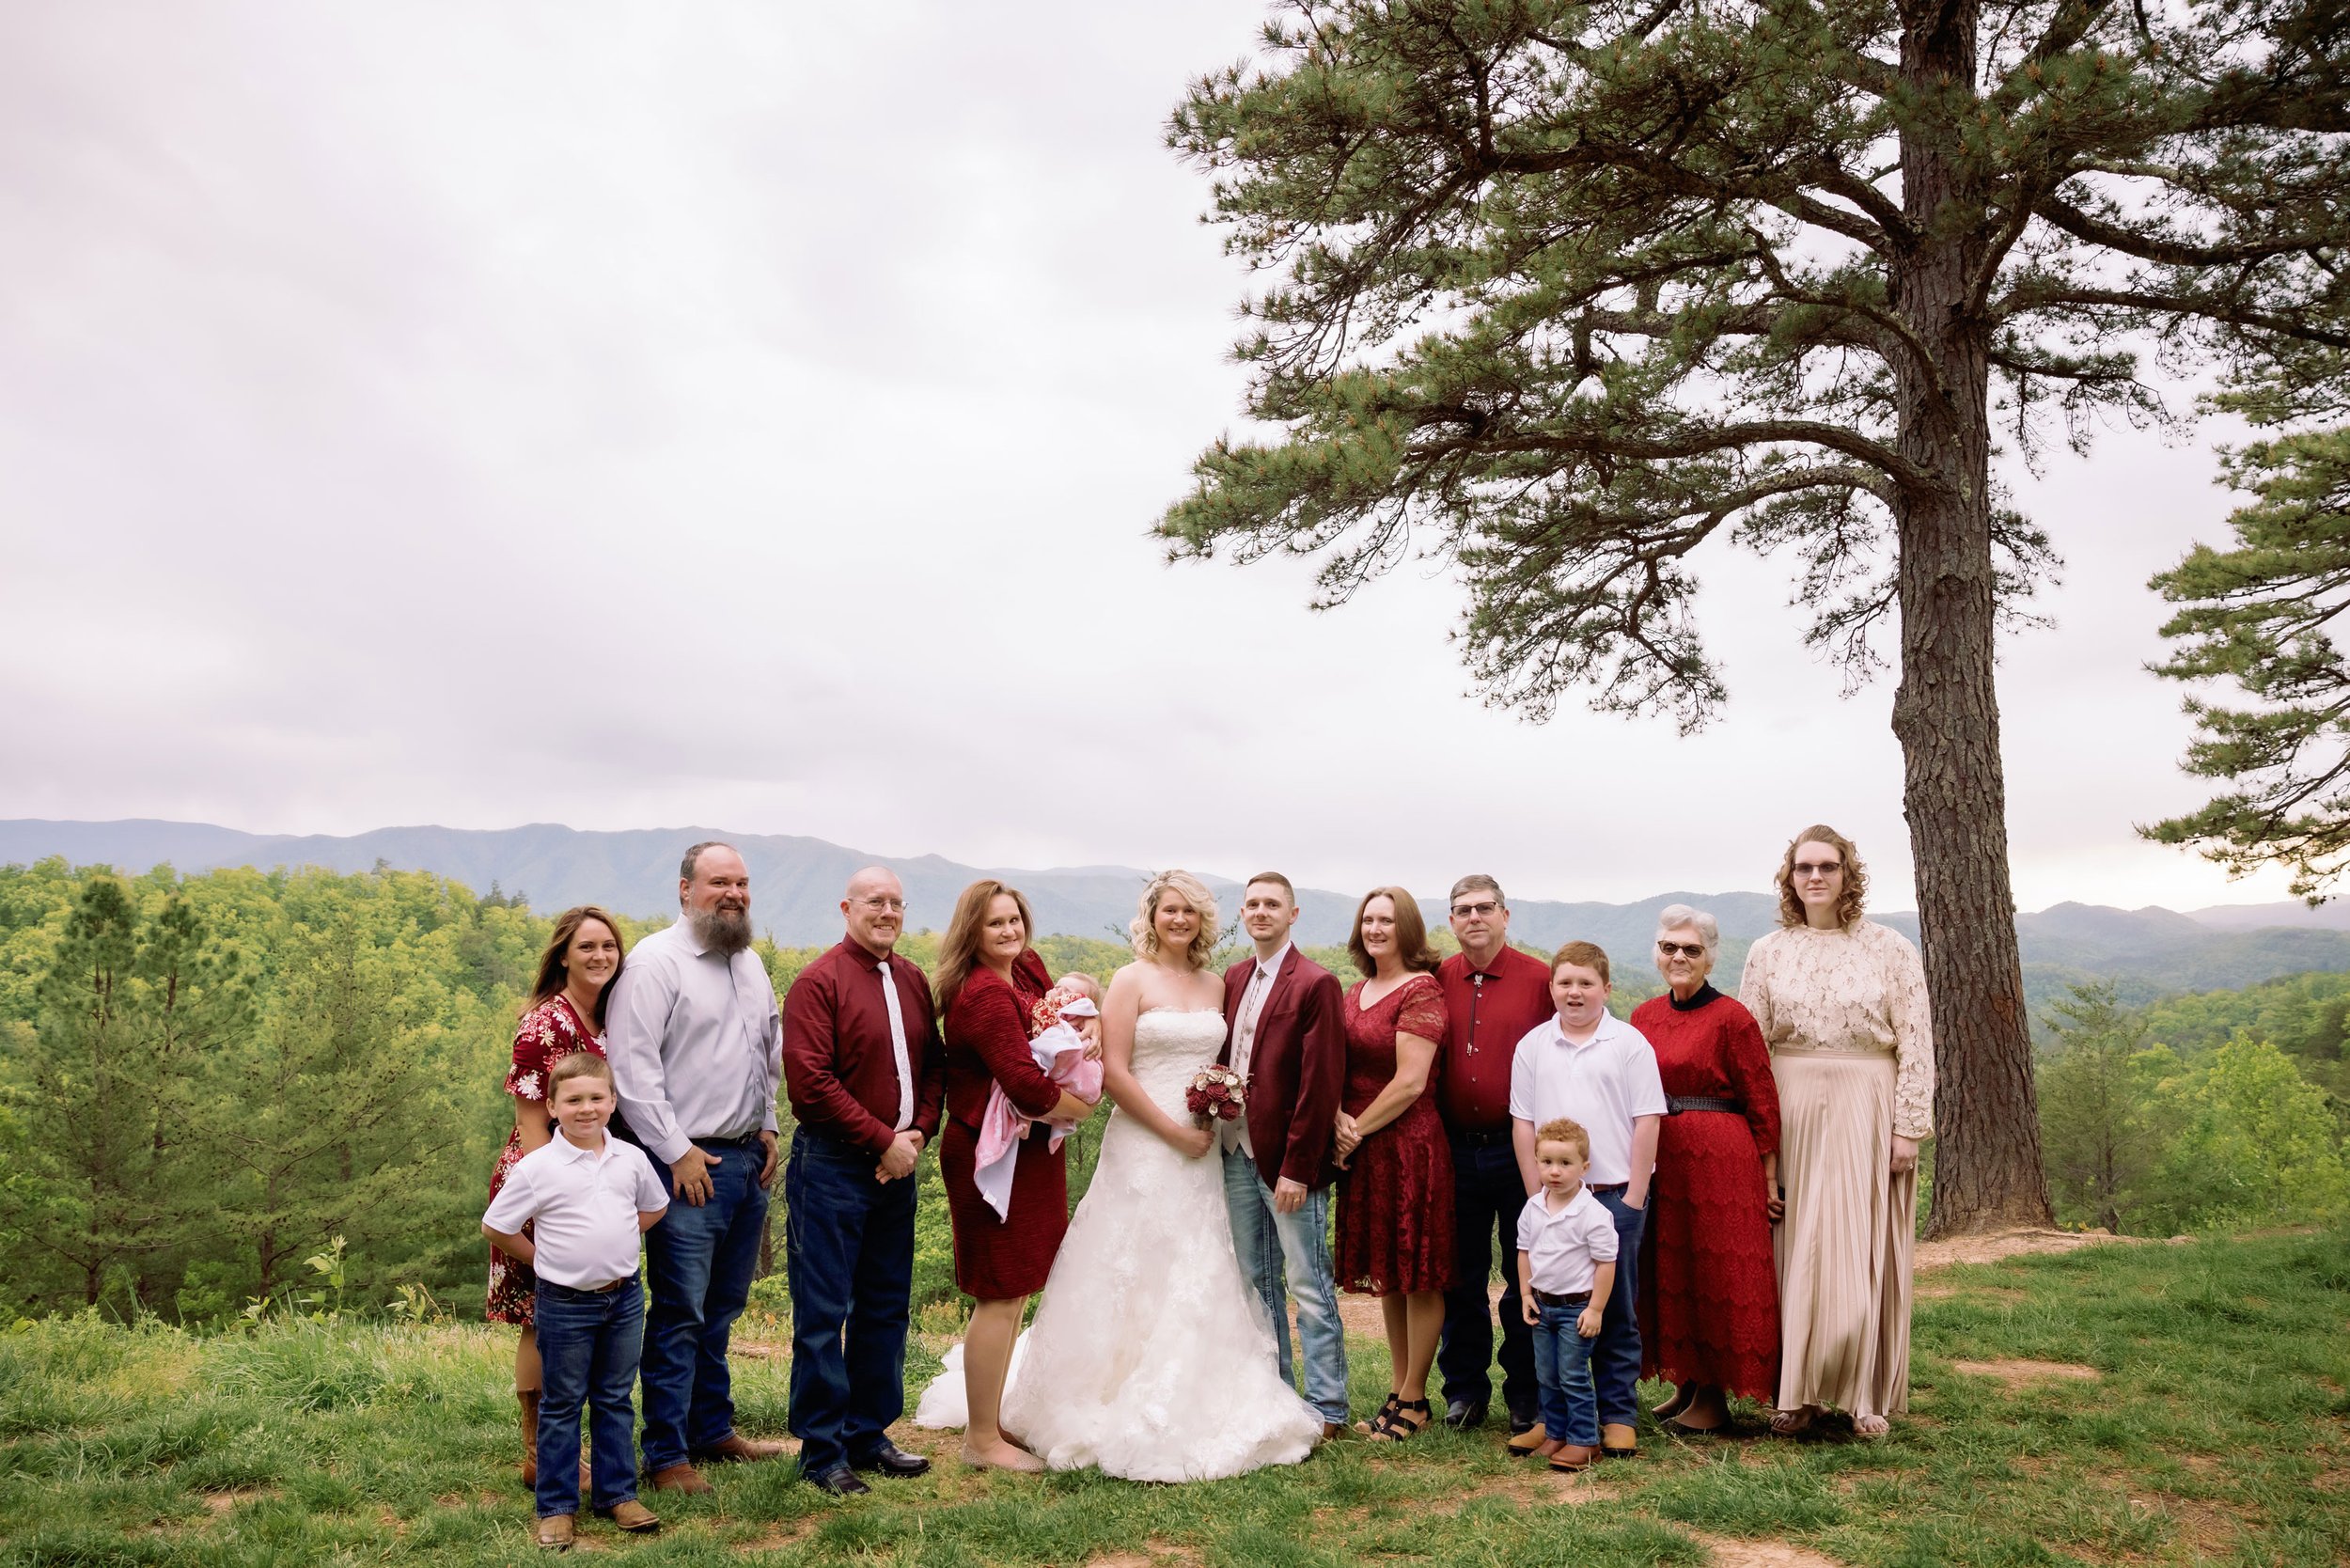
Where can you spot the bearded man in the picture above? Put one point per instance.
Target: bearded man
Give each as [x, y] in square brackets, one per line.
[697, 1047]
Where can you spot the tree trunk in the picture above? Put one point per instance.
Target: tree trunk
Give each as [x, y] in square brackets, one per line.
[1987, 1174]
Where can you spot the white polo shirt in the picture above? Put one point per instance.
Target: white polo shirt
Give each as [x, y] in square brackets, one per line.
[1603, 1083]
[586, 1203]
[1564, 1247]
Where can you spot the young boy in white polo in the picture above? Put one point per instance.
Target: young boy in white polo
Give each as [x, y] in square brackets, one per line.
[1566, 1272]
[586, 1199]
[1590, 1066]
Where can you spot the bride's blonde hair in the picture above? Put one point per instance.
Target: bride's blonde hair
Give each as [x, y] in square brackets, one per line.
[1144, 927]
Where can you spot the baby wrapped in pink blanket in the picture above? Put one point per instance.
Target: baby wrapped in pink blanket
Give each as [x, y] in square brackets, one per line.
[1060, 1052]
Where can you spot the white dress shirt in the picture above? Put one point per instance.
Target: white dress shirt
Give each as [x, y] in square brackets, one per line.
[585, 1203]
[1603, 1083]
[696, 1044]
[1234, 1134]
[1564, 1246]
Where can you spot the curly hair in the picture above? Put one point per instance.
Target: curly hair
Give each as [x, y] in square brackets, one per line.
[1848, 904]
[1144, 927]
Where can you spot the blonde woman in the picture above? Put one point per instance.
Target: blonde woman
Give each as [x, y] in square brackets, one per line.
[1152, 1356]
[1841, 1003]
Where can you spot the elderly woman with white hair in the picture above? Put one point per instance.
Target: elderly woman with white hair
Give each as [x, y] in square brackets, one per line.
[1709, 1292]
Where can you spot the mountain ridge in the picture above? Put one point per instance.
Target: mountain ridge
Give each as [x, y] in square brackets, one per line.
[796, 882]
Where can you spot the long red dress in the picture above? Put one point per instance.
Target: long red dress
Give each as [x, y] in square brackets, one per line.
[985, 1031]
[1395, 1195]
[1709, 1292]
[548, 1031]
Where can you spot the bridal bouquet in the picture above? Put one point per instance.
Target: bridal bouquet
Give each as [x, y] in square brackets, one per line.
[1215, 1095]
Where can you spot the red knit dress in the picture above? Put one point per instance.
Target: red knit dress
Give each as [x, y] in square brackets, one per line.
[1709, 1292]
[985, 1031]
[549, 1031]
[1395, 1195]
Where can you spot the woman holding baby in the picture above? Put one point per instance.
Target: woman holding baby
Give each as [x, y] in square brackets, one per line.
[988, 986]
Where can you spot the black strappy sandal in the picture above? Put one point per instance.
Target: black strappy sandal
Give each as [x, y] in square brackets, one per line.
[1379, 1421]
[1392, 1428]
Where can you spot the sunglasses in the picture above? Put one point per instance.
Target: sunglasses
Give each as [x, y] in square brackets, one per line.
[1818, 867]
[1681, 949]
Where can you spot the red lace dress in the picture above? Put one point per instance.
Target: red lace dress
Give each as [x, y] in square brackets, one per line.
[547, 1031]
[1709, 1292]
[1395, 1196]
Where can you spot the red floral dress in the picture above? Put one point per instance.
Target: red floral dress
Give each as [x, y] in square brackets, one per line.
[547, 1032]
[1395, 1195]
[1709, 1292]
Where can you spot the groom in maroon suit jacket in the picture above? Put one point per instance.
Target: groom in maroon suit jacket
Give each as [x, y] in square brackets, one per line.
[1286, 1035]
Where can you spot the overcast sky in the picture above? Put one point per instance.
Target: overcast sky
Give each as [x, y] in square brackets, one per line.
[754, 416]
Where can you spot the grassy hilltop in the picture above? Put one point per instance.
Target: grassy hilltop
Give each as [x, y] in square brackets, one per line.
[2149, 1404]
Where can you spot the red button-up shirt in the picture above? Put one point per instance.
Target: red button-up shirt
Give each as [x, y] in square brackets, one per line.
[1489, 1012]
[839, 1066]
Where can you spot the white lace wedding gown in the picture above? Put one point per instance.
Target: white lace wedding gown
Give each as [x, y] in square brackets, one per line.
[1150, 1356]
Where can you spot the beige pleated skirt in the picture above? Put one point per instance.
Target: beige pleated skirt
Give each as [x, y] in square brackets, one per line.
[1843, 1248]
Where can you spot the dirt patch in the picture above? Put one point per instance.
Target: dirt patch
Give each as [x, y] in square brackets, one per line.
[1155, 1553]
[2209, 1528]
[760, 1350]
[219, 1504]
[780, 1537]
[1728, 1553]
[2017, 1373]
[2011, 1243]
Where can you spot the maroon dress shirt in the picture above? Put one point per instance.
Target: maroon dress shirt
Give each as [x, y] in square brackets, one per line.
[1488, 1011]
[838, 1067]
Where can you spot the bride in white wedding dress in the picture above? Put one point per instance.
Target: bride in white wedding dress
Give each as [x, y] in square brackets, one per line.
[1150, 1356]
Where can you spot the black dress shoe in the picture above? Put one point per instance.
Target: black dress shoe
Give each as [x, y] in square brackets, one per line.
[891, 1459]
[841, 1481]
[1523, 1420]
[1461, 1415]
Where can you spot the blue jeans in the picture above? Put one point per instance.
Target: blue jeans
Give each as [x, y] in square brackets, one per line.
[1563, 1368]
[701, 1261]
[1298, 1246]
[1615, 1358]
[849, 1243]
[1487, 1194]
[587, 1346]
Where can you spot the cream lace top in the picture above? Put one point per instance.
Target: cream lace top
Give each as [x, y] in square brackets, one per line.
[1861, 991]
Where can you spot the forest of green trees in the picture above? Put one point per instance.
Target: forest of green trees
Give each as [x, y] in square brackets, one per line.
[205, 1081]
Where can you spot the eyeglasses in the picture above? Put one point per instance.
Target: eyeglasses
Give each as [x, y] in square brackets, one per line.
[1818, 867]
[1475, 911]
[1681, 949]
[898, 904]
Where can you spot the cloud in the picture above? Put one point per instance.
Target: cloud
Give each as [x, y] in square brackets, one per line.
[755, 414]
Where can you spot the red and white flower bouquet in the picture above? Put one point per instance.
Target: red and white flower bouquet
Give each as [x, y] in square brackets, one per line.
[1217, 1095]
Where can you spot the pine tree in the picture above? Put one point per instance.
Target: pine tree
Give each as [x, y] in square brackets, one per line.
[1563, 293]
[104, 1203]
[2258, 615]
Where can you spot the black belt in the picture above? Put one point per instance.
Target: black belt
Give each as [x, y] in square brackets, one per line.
[572, 1292]
[728, 1142]
[1580, 1298]
[1676, 1104]
[1482, 1140]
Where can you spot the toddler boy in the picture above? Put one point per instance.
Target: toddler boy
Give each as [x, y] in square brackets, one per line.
[586, 1199]
[1566, 1271]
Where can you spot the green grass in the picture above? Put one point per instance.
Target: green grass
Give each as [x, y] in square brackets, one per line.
[2218, 1430]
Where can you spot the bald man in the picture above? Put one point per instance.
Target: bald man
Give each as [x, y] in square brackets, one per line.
[862, 1064]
